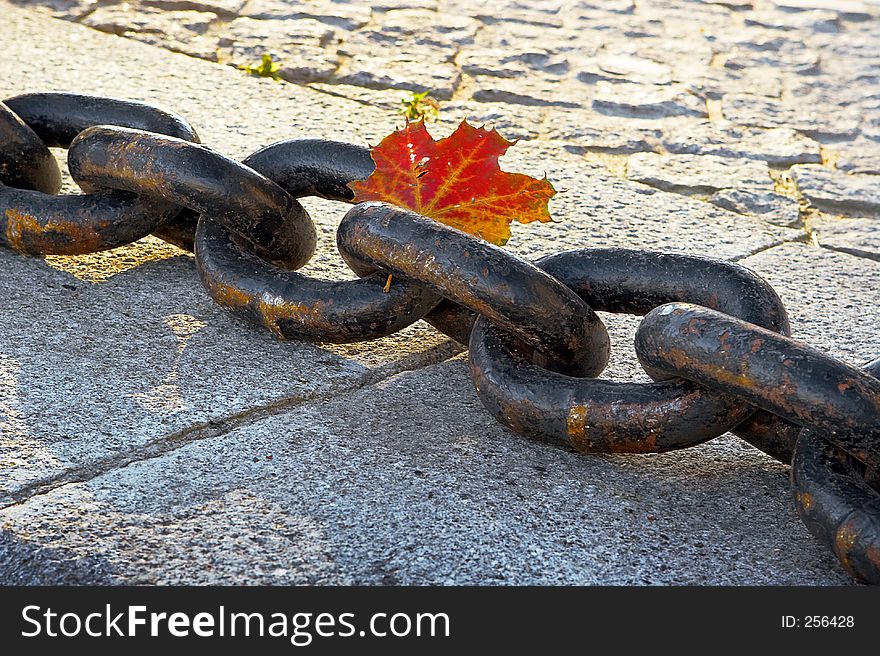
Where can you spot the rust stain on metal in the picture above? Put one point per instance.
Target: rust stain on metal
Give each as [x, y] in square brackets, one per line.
[678, 358]
[227, 295]
[844, 541]
[272, 311]
[25, 233]
[19, 224]
[805, 501]
[577, 416]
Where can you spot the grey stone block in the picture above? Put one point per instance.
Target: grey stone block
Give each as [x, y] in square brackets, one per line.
[412, 482]
[346, 16]
[853, 10]
[778, 146]
[646, 101]
[220, 7]
[697, 174]
[744, 109]
[838, 192]
[856, 236]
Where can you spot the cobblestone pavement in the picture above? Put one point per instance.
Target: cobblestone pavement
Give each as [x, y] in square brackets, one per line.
[761, 108]
[147, 436]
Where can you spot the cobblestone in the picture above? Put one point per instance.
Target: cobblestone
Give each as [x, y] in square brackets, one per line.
[220, 7]
[348, 16]
[300, 46]
[860, 237]
[777, 146]
[835, 191]
[646, 101]
[694, 174]
[742, 186]
[593, 132]
[852, 10]
[181, 31]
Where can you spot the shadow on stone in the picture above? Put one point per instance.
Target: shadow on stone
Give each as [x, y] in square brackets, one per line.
[23, 562]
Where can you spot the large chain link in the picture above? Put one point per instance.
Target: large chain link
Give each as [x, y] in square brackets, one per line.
[715, 336]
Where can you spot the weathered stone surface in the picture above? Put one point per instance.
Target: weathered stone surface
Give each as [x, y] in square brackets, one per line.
[859, 237]
[814, 21]
[756, 111]
[401, 71]
[797, 60]
[499, 62]
[69, 9]
[528, 91]
[838, 192]
[714, 83]
[411, 30]
[622, 213]
[829, 297]
[180, 31]
[252, 33]
[511, 37]
[760, 202]
[417, 492]
[738, 5]
[856, 88]
[777, 146]
[142, 356]
[386, 99]
[170, 24]
[347, 15]
[657, 59]
[854, 10]
[697, 174]
[220, 7]
[634, 69]
[684, 19]
[541, 13]
[742, 186]
[584, 7]
[859, 156]
[644, 101]
[513, 122]
[388, 5]
[582, 132]
[302, 47]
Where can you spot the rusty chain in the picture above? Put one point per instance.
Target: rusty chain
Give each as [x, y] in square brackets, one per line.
[714, 338]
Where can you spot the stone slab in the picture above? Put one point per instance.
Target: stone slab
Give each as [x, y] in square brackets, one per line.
[836, 191]
[412, 482]
[856, 236]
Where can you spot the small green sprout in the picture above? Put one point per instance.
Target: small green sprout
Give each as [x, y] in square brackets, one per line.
[419, 106]
[266, 68]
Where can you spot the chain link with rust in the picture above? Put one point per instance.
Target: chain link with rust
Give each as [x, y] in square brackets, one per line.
[714, 338]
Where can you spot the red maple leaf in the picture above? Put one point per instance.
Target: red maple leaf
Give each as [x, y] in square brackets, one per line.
[456, 180]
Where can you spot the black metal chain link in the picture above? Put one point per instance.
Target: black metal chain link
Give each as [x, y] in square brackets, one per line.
[715, 336]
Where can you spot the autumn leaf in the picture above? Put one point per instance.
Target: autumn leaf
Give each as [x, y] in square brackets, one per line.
[456, 180]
